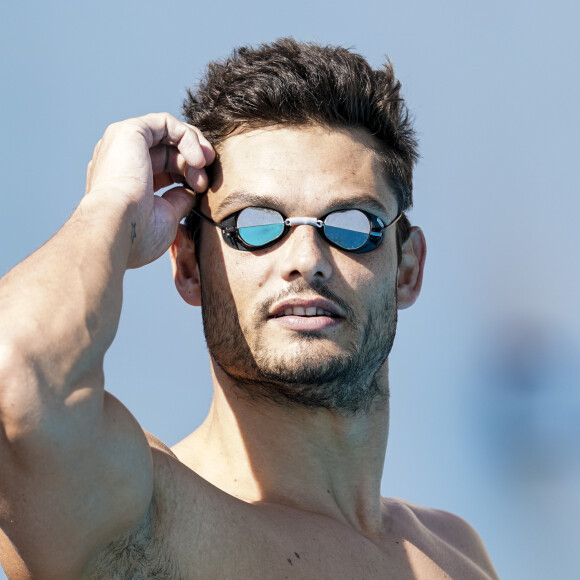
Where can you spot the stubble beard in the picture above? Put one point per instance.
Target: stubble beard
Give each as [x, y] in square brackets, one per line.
[347, 382]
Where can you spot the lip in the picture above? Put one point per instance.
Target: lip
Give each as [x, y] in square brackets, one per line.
[277, 311]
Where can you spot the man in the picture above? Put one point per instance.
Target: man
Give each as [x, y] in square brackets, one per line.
[300, 256]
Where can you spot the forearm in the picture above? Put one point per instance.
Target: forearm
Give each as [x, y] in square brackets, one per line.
[59, 308]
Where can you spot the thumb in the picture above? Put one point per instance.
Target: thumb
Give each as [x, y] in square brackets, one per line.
[181, 199]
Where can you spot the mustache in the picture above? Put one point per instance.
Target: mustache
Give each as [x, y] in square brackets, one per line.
[301, 287]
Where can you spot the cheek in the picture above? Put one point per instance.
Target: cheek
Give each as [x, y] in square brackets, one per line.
[365, 272]
[372, 279]
[246, 277]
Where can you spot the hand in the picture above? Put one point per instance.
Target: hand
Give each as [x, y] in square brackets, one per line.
[139, 156]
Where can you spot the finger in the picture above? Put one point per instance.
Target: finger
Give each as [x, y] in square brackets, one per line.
[206, 146]
[197, 179]
[181, 199]
[166, 159]
[165, 128]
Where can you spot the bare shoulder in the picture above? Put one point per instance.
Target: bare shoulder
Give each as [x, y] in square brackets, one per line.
[156, 443]
[447, 526]
[441, 533]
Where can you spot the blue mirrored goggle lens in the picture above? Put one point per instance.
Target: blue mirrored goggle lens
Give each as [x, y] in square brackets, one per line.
[348, 229]
[347, 239]
[259, 226]
[260, 235]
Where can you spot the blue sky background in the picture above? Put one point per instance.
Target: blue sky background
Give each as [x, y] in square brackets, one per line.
[485, 373]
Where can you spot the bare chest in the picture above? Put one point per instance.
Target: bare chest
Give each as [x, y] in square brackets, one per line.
[321, 556]
[270, 544]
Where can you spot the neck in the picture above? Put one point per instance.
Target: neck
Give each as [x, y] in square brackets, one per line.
[318, 460]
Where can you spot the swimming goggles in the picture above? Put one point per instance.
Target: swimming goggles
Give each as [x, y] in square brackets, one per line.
[256, 228]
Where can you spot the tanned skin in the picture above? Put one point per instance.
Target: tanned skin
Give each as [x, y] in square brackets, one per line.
[265, 488]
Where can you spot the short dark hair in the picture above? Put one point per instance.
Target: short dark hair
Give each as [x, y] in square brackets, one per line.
[292, 83]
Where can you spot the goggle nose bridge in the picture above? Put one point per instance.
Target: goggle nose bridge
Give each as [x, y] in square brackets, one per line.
[303, 221]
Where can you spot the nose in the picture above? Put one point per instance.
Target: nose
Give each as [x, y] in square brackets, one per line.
[305, 255]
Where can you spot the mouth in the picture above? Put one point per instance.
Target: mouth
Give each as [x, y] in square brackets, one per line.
[306, 314]
[315, 306]
[305, 311]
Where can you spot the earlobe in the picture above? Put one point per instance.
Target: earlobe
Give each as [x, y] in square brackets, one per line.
[410, 279]
[185, 268]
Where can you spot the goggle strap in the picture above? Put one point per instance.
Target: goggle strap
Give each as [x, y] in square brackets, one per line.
[207, 219]
[399, 215]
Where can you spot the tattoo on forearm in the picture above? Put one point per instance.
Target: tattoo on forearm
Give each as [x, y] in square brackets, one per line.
[133, 231]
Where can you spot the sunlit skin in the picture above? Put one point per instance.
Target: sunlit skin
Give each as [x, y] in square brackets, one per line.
[300, 172]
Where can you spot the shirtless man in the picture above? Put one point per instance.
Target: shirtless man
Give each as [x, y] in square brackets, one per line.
[282, 480]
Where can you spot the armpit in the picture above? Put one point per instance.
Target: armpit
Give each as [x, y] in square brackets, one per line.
[137, 555]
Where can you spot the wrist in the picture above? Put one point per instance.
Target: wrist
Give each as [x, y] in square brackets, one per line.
[106, 220]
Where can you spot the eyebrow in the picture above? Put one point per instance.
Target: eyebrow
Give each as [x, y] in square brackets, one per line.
[362, 200]
[247, 199]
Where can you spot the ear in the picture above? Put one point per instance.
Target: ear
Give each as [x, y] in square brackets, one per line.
[185, 267]
[410, 279]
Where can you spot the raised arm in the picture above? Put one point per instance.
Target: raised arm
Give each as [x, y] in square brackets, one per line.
[75, 468]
